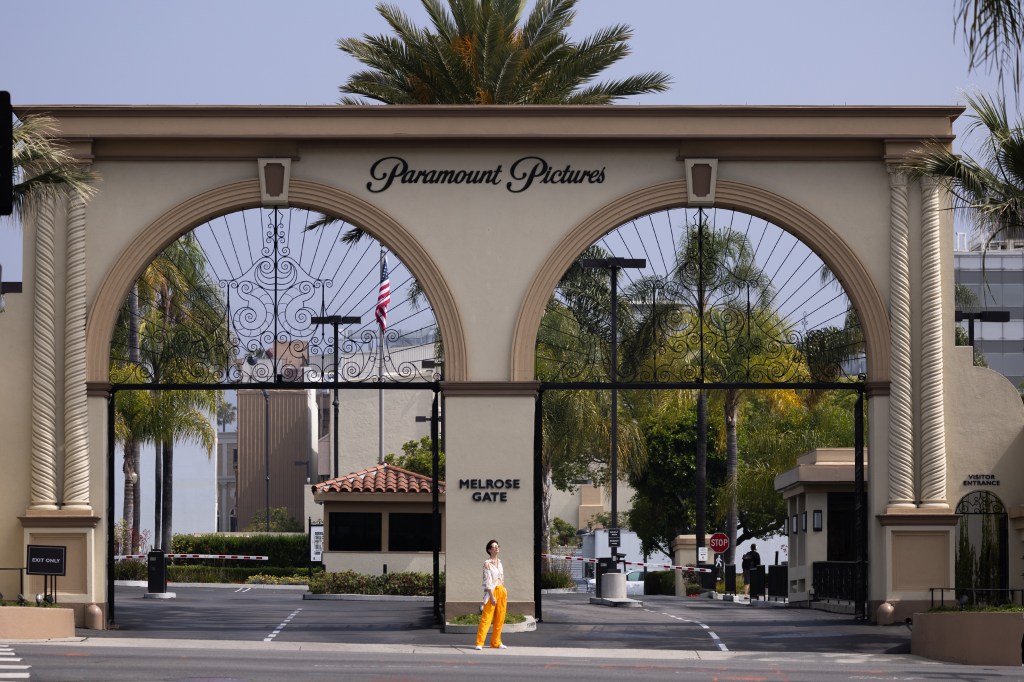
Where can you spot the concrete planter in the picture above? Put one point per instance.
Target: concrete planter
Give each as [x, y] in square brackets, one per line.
[31, 622]
[529, 625]
[971, 637]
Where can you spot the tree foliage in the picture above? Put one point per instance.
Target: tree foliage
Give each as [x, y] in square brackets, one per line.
[417, 457]
[993, 31]
[486, 52]
[779, 426]
[663, 504]
[988, 190]
[169, 330]
[42, 167]
[563, 533]
[280, 521]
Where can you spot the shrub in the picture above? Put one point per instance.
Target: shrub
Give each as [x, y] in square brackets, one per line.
[556, 575]
[660, 582]
[130, 569]
[474, 619]
[283, 549]
[264, 579]
[350, 582]
[193, 573]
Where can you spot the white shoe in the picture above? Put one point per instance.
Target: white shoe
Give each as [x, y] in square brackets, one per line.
[502, 646]
[479, 647]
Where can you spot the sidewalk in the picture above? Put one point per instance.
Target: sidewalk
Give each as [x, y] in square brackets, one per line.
[467, 649]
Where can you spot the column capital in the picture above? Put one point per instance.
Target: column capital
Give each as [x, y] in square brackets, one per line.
[898, 177]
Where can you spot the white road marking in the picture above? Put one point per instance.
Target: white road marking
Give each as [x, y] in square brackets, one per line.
[714, 637]
[7, 670]
[275, 633]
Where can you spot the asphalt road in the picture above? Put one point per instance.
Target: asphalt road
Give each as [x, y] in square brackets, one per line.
[272, 634]
[664, 623]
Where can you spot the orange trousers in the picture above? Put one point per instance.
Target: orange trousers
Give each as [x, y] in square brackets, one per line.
[495, 611]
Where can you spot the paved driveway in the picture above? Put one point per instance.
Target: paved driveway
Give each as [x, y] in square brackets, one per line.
[664, 623]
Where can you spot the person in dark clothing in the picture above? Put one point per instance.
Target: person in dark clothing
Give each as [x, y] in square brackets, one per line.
[751, 560]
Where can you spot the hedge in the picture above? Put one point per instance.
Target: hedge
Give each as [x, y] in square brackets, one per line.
[285, 550]
[660, 582]
[350, 582]
[134, 569]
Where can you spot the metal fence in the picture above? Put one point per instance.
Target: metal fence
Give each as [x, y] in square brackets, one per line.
[835, 580]
[953, 596]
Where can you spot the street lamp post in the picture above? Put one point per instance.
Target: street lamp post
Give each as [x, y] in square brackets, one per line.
[984, 316]
[613, 265]
[435, 504]
[334, 321]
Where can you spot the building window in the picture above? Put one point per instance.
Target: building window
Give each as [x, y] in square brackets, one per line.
[354, 532]
[410, 532]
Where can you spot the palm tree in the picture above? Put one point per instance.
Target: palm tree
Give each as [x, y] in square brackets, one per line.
[575, 424]
[171, 330]
[989, 191]
[484, 52]
[994, 33]
[713, 268]
[43, 167]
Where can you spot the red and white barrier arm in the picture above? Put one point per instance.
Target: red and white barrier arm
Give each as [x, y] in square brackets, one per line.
[692, 569]
[242, 557]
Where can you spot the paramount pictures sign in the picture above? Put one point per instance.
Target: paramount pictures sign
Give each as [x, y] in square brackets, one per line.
[521, 175]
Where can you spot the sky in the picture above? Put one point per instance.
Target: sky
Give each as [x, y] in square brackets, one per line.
[261, 52]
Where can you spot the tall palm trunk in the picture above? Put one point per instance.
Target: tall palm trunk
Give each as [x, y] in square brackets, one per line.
[132, 489]
[701, 501]
[168, 493]
[137, 508]
[546, 513]
[128, 503]
[732, 408]
[158, 492]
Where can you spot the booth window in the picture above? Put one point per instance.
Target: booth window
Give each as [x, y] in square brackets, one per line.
[354, 532]
[410, 532]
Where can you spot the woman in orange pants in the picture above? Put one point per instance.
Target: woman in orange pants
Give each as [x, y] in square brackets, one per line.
[495, 599]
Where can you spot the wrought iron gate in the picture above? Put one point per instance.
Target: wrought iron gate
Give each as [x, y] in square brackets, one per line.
[709, 300]
[275, 299]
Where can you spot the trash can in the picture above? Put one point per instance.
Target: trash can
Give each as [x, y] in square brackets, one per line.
[604, 565]
[156, 566]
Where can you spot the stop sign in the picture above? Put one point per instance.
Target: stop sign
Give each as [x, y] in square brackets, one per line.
[719, 542]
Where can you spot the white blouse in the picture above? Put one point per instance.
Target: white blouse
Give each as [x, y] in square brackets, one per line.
[494, 574]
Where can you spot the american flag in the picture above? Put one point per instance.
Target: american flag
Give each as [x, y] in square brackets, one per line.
[383, 296]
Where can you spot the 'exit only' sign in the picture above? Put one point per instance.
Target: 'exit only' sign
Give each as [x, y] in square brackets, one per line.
[46, 560]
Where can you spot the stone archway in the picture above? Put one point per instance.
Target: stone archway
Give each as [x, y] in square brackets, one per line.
[303, 194]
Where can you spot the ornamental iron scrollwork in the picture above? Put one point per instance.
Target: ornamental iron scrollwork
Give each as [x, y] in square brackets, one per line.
[980, 502]
[713, 304]
[221, 306]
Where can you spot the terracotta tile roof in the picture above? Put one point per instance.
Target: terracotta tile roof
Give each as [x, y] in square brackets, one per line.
[383, 478]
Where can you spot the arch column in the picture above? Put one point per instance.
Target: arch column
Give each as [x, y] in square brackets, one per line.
[933, 423]
[901, 411]
[76, 413]
[43, 494]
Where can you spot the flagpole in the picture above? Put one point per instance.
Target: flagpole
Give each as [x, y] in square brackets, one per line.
[380, 387]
